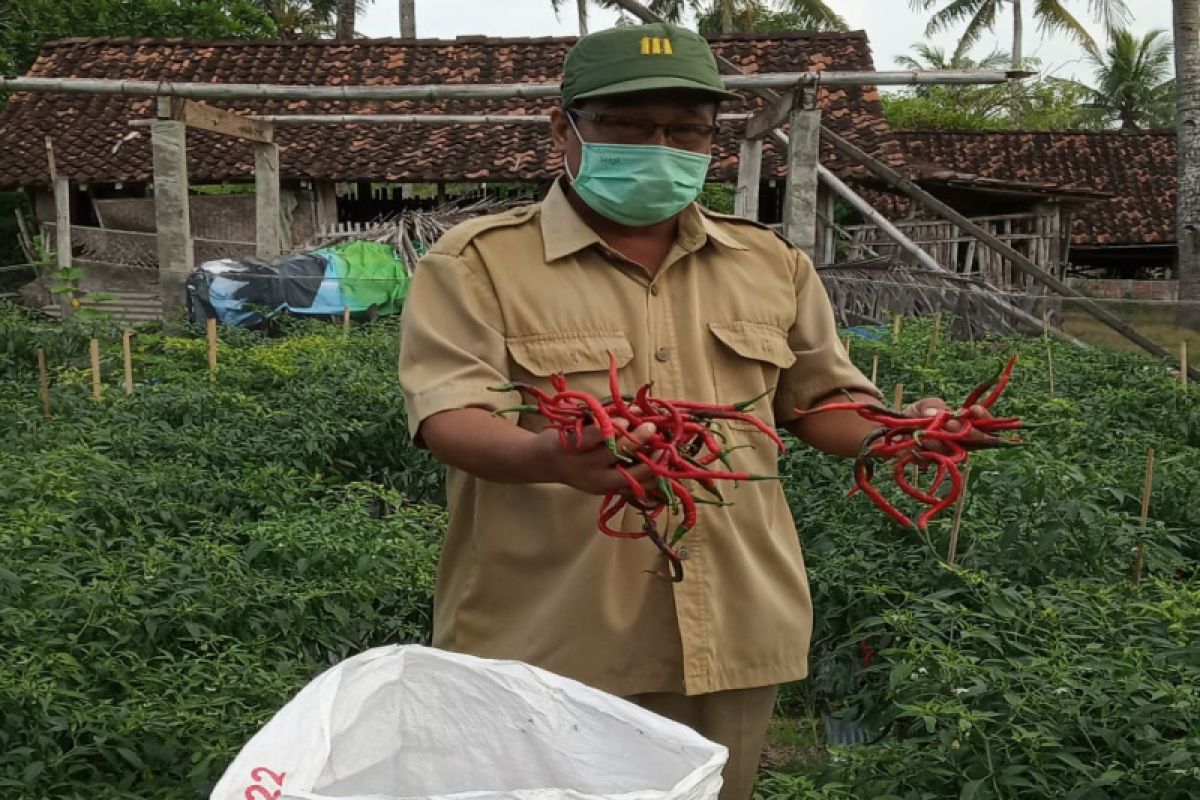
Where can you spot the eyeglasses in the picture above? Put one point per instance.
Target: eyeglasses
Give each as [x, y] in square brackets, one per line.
[630, 130]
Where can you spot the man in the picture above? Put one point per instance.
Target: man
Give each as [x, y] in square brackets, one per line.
[619, 258]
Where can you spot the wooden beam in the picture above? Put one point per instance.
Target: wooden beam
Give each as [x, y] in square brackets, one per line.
[745, 200]
[919, 195]
[268, 206]
[195, 114]
[477, 91]
[171, 213]
[771, 117]
[800, 202]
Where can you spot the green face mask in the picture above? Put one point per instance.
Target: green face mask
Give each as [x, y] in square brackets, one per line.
[638, 184]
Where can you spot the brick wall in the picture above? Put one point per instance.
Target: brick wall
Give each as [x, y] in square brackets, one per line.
[1161, 291]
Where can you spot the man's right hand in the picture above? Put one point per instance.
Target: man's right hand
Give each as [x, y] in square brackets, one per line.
[494, 449]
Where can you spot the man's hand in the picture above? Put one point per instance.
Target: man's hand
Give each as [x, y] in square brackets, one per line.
[932, 406]
[475, 441]
[589, 466]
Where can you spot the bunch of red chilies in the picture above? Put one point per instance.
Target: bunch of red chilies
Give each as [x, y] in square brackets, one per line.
[686, 448]
[902, 438]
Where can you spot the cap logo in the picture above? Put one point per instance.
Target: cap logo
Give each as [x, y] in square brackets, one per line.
[656, 46]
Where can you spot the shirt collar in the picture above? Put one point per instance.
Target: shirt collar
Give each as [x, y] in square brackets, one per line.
[564, 232]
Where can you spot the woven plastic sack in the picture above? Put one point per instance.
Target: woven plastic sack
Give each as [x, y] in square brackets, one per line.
[416, 722]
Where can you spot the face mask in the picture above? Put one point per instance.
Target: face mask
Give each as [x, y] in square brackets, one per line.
[638, 184]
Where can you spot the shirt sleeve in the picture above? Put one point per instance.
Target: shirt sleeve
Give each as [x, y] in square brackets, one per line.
[822, 366]
[452, 343]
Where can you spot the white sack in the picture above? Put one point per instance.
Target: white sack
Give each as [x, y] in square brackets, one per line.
[416, 722]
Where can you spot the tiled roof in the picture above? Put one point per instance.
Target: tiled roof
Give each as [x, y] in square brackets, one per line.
[1137, 170]
[94, 142]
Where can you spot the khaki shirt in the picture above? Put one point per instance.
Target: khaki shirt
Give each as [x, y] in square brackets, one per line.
[524, 573]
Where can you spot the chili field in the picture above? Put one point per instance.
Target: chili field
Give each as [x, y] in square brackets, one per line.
[179, 561]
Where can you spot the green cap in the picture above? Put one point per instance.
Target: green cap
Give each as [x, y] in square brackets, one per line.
[640, 58]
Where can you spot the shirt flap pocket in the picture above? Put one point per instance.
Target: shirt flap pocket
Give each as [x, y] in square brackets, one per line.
[755, 340]
[548, 354]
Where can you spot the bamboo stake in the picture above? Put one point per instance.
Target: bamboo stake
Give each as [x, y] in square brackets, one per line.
[43, 383]
[346, 320]
[1147, 486]
[211, 324]
[127, 357]
[97, 389]
[1050, 366]
[933, 339]
[897, 321]
[898, 396]
[952, 551]
[874, 370]
[1183, 365]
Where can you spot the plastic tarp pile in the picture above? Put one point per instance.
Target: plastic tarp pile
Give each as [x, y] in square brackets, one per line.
[414, 722]
[366, 277]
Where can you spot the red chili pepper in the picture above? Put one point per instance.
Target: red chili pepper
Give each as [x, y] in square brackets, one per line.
[862, 474]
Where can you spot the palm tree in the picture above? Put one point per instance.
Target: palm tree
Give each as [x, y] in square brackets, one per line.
[297, 20]
[730, 16]
[347, 10]
[759, 17]
[408, 19]
[581, 7]
[927, 57]
[1052, 16]
[1187, 82]
[1133, 84]
[736, 16]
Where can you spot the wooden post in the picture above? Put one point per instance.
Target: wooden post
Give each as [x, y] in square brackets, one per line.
[43, 383]
[62, 229]
[846, 344]
[745, 200]
[345, 320]
[127, 357]
[171, 212]
[898, 396]
[211, 325]
[326, 205]
[268, 207]
[1147, 488]
[827, 203]
[874, 370]
[952, 550]
[800, 202]
[897, 321]
[97, 389]
[1050, 366]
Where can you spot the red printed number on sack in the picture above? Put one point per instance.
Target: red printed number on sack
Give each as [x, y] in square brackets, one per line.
[261, 775]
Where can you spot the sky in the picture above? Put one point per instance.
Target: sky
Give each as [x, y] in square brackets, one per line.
[890, 24]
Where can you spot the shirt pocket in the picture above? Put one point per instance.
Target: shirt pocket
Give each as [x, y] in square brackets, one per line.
[580, 356]
[746, 361]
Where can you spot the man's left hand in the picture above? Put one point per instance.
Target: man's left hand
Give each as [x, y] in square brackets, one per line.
[932, 406]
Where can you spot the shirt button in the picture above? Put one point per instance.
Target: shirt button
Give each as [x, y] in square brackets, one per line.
[662, 354]
[654, 289]
[683, 554]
